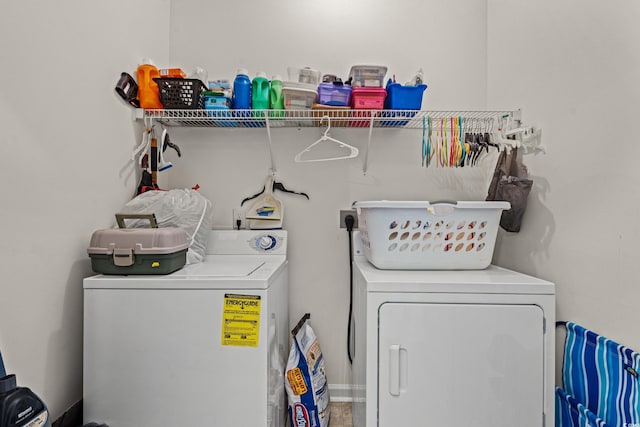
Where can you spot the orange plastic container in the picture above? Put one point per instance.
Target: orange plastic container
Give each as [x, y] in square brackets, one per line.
[147, 87]
[175, 73]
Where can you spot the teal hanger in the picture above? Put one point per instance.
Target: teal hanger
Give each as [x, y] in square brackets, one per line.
[426, 141]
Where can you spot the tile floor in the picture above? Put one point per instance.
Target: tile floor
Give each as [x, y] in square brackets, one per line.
[341, 414]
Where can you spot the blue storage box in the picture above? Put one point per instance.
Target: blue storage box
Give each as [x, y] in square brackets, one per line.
[401, 97]
[404, 97]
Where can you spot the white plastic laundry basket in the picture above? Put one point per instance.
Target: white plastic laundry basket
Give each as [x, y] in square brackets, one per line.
[429, 236]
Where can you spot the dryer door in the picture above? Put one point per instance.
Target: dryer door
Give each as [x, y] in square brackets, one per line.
[460, 364]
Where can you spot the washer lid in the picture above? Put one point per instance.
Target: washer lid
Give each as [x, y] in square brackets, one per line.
[226, 272]
[221, 266]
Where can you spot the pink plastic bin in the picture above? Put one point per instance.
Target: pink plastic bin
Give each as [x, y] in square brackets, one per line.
[366, 98]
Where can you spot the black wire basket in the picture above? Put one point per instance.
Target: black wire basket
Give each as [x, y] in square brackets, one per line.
[181, 94]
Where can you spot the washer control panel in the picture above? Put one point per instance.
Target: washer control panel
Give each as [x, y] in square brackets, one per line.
[266, 242]
[247, 242]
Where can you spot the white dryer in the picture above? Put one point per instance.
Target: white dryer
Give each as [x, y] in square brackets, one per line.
[205, 345]
[450, 348]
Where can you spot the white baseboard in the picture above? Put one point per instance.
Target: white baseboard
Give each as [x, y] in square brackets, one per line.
[340, 393]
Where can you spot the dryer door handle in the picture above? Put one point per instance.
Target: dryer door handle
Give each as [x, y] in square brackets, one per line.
[394, 369]
[398, 369]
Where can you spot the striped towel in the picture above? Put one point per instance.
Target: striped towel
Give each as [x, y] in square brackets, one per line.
[602, 375]
[571, 413]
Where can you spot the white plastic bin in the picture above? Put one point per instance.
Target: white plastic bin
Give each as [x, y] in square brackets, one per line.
[419, 235]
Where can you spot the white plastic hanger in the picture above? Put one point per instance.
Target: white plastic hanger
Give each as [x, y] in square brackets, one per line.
[353, 151]
[144, 146]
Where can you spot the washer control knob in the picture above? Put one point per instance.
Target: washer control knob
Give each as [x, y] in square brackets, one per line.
[266, 242]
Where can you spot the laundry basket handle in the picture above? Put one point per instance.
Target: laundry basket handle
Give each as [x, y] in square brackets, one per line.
[442, 207]
[444, 202]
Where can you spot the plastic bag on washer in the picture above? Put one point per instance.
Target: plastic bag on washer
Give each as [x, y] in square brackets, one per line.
[186, 209]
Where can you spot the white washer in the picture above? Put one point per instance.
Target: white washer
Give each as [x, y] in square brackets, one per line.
[449, 348]
[160, 350]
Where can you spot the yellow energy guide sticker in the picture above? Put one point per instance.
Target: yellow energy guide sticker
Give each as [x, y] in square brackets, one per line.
[241, 320]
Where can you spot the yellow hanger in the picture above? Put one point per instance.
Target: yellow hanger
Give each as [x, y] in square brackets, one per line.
[445, 145]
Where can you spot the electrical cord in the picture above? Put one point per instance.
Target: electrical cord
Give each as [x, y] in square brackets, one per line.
[349, 221]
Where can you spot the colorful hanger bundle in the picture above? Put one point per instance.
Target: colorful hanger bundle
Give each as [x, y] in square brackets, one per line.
[449, 142]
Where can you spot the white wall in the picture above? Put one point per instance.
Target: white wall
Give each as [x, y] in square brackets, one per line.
[573, 66]
[331, 36]
[65, 145]
[66, 141]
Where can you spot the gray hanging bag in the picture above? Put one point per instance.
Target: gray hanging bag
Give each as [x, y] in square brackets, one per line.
[510, 183]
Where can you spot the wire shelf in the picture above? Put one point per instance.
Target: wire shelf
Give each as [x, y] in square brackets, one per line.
[405, 119]
[479, 121]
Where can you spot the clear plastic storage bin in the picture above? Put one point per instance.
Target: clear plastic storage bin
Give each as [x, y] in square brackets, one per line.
[413, 235]
[298, 99]
[304, 75]
[367, 75]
